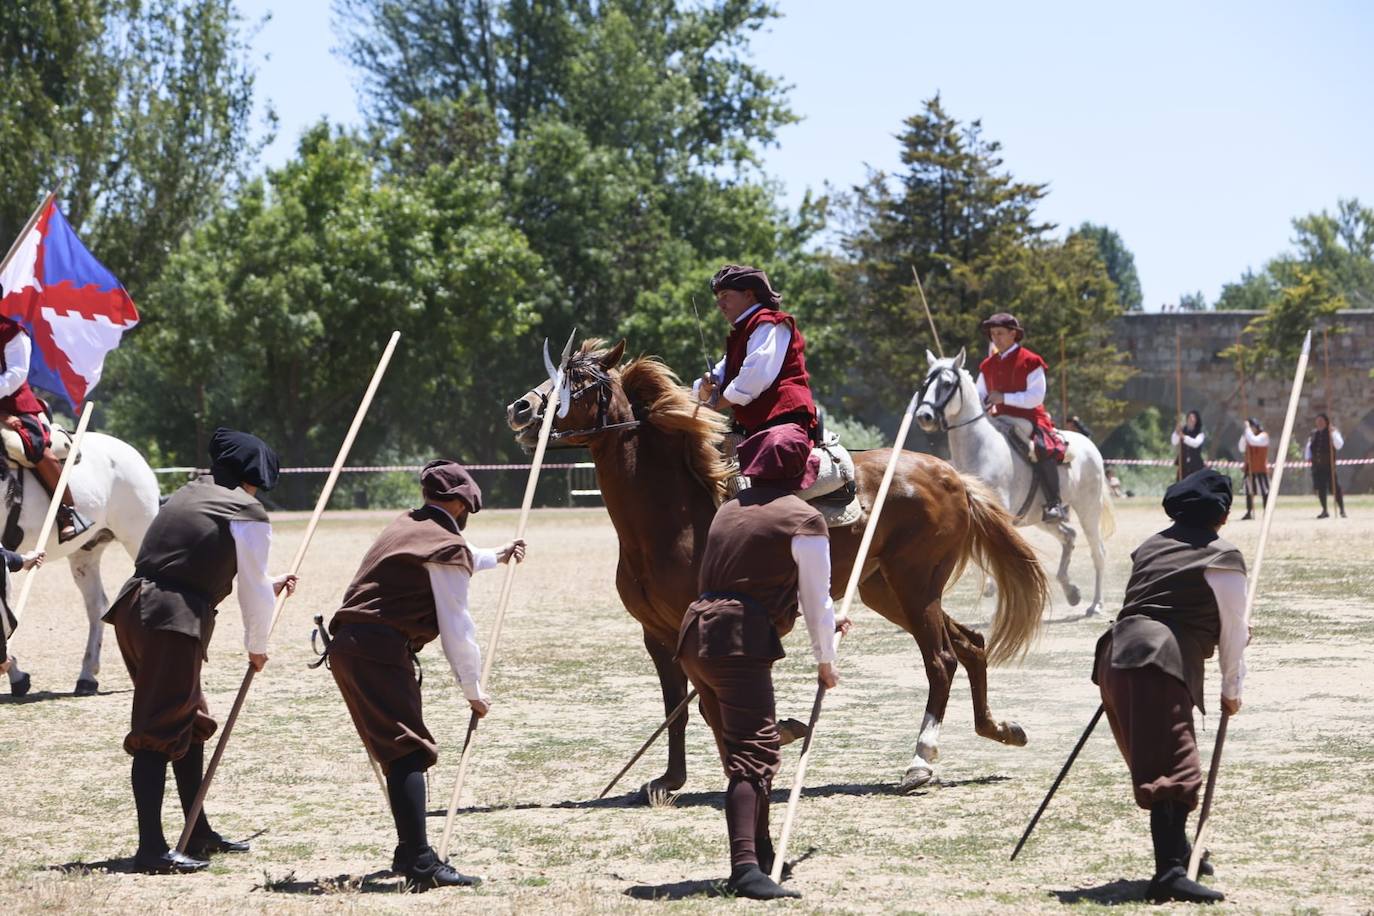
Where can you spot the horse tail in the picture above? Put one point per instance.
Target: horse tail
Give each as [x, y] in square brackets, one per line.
[1107, 522]
[1022, 589]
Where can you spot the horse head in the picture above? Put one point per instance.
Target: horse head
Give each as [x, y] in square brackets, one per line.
[947, 391]
[591, 393]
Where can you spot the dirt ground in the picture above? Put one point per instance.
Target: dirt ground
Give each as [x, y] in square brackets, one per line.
[575, 695]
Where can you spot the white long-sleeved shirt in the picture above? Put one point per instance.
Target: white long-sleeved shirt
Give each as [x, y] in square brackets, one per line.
[1337, 442]
[764, 354]
[1228, 585]
[1251, 440]
[18, 354]
[812, 555]
[252, 544]
[457, 632]
[1031, 398]
[1190, 441]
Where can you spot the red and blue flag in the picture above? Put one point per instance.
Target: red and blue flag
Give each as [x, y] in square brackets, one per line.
[74, 310]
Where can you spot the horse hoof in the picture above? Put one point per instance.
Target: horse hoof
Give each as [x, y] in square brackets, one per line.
[790, 730]
[916, 777]
[656, 795]
[1015, 735]
[86, 687]
[22, 686]
[1073, 595]
[1094, 610]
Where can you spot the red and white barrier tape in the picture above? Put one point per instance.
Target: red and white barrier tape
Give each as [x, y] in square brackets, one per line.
[1170, 462]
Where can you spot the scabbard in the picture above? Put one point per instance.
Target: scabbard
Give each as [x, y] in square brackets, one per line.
[318, 635]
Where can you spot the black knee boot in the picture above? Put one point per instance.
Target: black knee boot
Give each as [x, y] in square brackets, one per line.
[1249, 506]
[1055, 510]
[190, 773]
[1321, 494]
[148, 774]
[1169, 831]
[415, 860]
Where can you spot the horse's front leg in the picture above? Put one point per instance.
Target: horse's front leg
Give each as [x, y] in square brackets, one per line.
[86, 571]
[1066, 535]
[673, 682]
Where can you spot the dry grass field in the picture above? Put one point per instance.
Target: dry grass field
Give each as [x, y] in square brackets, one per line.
[575, 695]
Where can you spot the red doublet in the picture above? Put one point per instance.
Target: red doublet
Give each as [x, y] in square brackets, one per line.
[22, 402]
[1012, 373]
[790, 391]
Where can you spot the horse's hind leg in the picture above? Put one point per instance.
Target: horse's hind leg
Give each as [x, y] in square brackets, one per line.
[1092, 530]
[86, 571]
[969, 648]
[674, 684]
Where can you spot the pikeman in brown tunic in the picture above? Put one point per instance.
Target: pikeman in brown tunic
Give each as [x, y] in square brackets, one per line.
[765, 550]
[1185, 599]
[412, 587]
[210, 534]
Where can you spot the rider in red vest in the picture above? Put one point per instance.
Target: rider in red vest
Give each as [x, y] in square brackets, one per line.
[763, 375]
[23, 413]
[1012, 384]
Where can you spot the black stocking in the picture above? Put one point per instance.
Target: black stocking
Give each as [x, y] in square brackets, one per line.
[405, 786]
[149, 777]
[190, 772]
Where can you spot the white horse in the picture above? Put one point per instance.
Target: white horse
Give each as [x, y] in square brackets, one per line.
[114, 490]
[949, 401]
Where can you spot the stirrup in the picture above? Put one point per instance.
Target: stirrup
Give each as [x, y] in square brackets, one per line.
[69, 517]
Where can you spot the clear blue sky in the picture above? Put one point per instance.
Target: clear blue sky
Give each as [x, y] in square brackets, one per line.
[1197, 131]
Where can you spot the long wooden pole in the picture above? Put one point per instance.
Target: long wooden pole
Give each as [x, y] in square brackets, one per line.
[939, 348]
[648, 742]
[502, 602]
[1178, 398]
[1240, 370]
[28, 227]
[48, 520]
[1252, 587]
[213, 765]
[852, 589]
[1330, 419]
[1063, 384]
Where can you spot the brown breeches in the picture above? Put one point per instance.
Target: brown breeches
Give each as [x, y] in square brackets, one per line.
[736, 696]
[169, 709]
[1151, 714]
[375, 676]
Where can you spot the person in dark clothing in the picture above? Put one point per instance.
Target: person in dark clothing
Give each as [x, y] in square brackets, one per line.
[767, 557]
[1322, 448]
[211, 535]
[11, 562]
[1190, 437]
[1185, 600]
[411, 588]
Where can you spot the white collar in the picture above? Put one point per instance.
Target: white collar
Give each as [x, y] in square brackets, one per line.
[749, 311]
[1009, 350]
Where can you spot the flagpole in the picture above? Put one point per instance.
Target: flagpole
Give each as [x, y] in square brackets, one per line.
[28, 227]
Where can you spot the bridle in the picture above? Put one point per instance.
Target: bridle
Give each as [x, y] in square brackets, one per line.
[944, 395]
[601, 384]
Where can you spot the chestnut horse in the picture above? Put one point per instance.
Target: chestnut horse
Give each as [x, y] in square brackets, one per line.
[662, 475]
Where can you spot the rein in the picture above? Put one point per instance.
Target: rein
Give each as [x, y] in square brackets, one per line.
[940, 404]
[601, 384]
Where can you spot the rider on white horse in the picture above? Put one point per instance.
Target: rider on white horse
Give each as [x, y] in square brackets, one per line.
[24, 424]
[1011, 382]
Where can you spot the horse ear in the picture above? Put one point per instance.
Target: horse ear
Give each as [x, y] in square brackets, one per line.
[930, 359]
[959, 360]
[611, 358]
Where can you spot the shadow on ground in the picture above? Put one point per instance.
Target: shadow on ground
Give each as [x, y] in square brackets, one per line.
[677, 890]
[1114, 892]
[114, 866]
[45, 696]
[377, 882]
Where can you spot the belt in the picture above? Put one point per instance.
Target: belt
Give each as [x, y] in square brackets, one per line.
[378, 629]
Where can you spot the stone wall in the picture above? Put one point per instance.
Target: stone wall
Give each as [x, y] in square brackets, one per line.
[1211, 384]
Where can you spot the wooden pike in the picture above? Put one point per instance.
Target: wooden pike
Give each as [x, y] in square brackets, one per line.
[939, 348]
[503, 602]
[850, 591]
[1178, 398]
[1252, 587]
[213, 765]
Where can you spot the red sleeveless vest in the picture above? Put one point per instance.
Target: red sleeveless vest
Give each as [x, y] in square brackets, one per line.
[790, 391]
[22, 399]
[1013, 374]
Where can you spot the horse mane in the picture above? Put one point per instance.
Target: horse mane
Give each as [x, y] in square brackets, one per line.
[661, 400]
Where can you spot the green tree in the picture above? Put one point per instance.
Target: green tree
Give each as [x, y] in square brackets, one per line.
[1253, 292]
[271, 315]
[1192, 302]
[1307, 301]
[1341, 247]
[1119, 261]
[138, 111]
[970, 228]
[628, 137]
